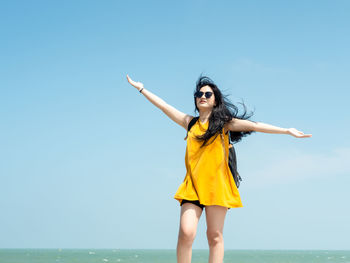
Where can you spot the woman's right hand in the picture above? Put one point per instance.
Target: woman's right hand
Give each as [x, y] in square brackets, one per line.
[177, 116]
[137, 85]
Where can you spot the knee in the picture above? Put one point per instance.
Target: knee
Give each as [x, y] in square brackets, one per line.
[187, 235]
[214, 237]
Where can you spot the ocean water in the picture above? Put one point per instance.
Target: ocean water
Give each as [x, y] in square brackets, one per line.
[169, 256]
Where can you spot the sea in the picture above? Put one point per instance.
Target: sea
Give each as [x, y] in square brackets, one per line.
[169, 256]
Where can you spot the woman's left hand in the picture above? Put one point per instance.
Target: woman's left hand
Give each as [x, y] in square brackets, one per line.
[298, 134]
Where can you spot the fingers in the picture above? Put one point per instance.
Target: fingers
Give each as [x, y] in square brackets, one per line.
[304, 136]
[127, 76]
[137, 85]
[130, 80]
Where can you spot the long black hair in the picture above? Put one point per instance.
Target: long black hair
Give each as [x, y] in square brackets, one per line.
[222, 113]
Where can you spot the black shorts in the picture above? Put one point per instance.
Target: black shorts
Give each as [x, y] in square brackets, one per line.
[196, 202]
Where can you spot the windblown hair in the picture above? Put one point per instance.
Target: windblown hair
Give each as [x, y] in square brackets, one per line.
[222, 113]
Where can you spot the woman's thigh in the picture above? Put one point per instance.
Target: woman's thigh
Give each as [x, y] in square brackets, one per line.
[215, 217]
[189, 217]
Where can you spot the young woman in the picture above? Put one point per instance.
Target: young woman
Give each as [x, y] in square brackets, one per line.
[208, 182]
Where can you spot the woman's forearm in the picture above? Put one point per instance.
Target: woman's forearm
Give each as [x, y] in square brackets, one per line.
[267, 128]
[154, 99]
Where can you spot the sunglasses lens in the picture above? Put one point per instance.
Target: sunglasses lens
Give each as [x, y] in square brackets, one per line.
[208, 94]
[198, 94]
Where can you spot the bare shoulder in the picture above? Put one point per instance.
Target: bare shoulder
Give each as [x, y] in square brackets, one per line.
[227, 125]
[187, 120]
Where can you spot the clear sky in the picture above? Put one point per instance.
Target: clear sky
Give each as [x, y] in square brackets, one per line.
[89, 162]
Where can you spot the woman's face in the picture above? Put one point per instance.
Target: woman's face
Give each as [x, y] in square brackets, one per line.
[204, 103]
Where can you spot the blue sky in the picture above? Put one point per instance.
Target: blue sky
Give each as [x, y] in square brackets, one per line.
[88, 162]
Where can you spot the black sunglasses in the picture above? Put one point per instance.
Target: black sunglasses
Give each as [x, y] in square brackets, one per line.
[199, 94]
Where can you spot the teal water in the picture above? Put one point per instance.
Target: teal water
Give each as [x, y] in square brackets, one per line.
[168, 256]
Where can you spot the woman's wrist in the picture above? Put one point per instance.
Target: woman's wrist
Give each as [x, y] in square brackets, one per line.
[140, 90]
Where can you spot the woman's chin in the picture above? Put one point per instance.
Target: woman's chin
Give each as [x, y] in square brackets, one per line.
[204, 106]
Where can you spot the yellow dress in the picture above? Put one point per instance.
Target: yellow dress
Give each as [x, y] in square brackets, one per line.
[211, 175]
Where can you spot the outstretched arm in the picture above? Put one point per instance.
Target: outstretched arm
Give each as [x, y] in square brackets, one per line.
[177, 116]
[246, 125]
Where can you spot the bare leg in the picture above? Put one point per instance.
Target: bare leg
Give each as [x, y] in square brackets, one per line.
[215, 216]
[189, 218]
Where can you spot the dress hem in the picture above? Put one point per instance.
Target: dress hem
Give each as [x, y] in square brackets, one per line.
[182, 198]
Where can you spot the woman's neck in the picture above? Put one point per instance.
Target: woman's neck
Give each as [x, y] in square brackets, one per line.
[204, 116]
